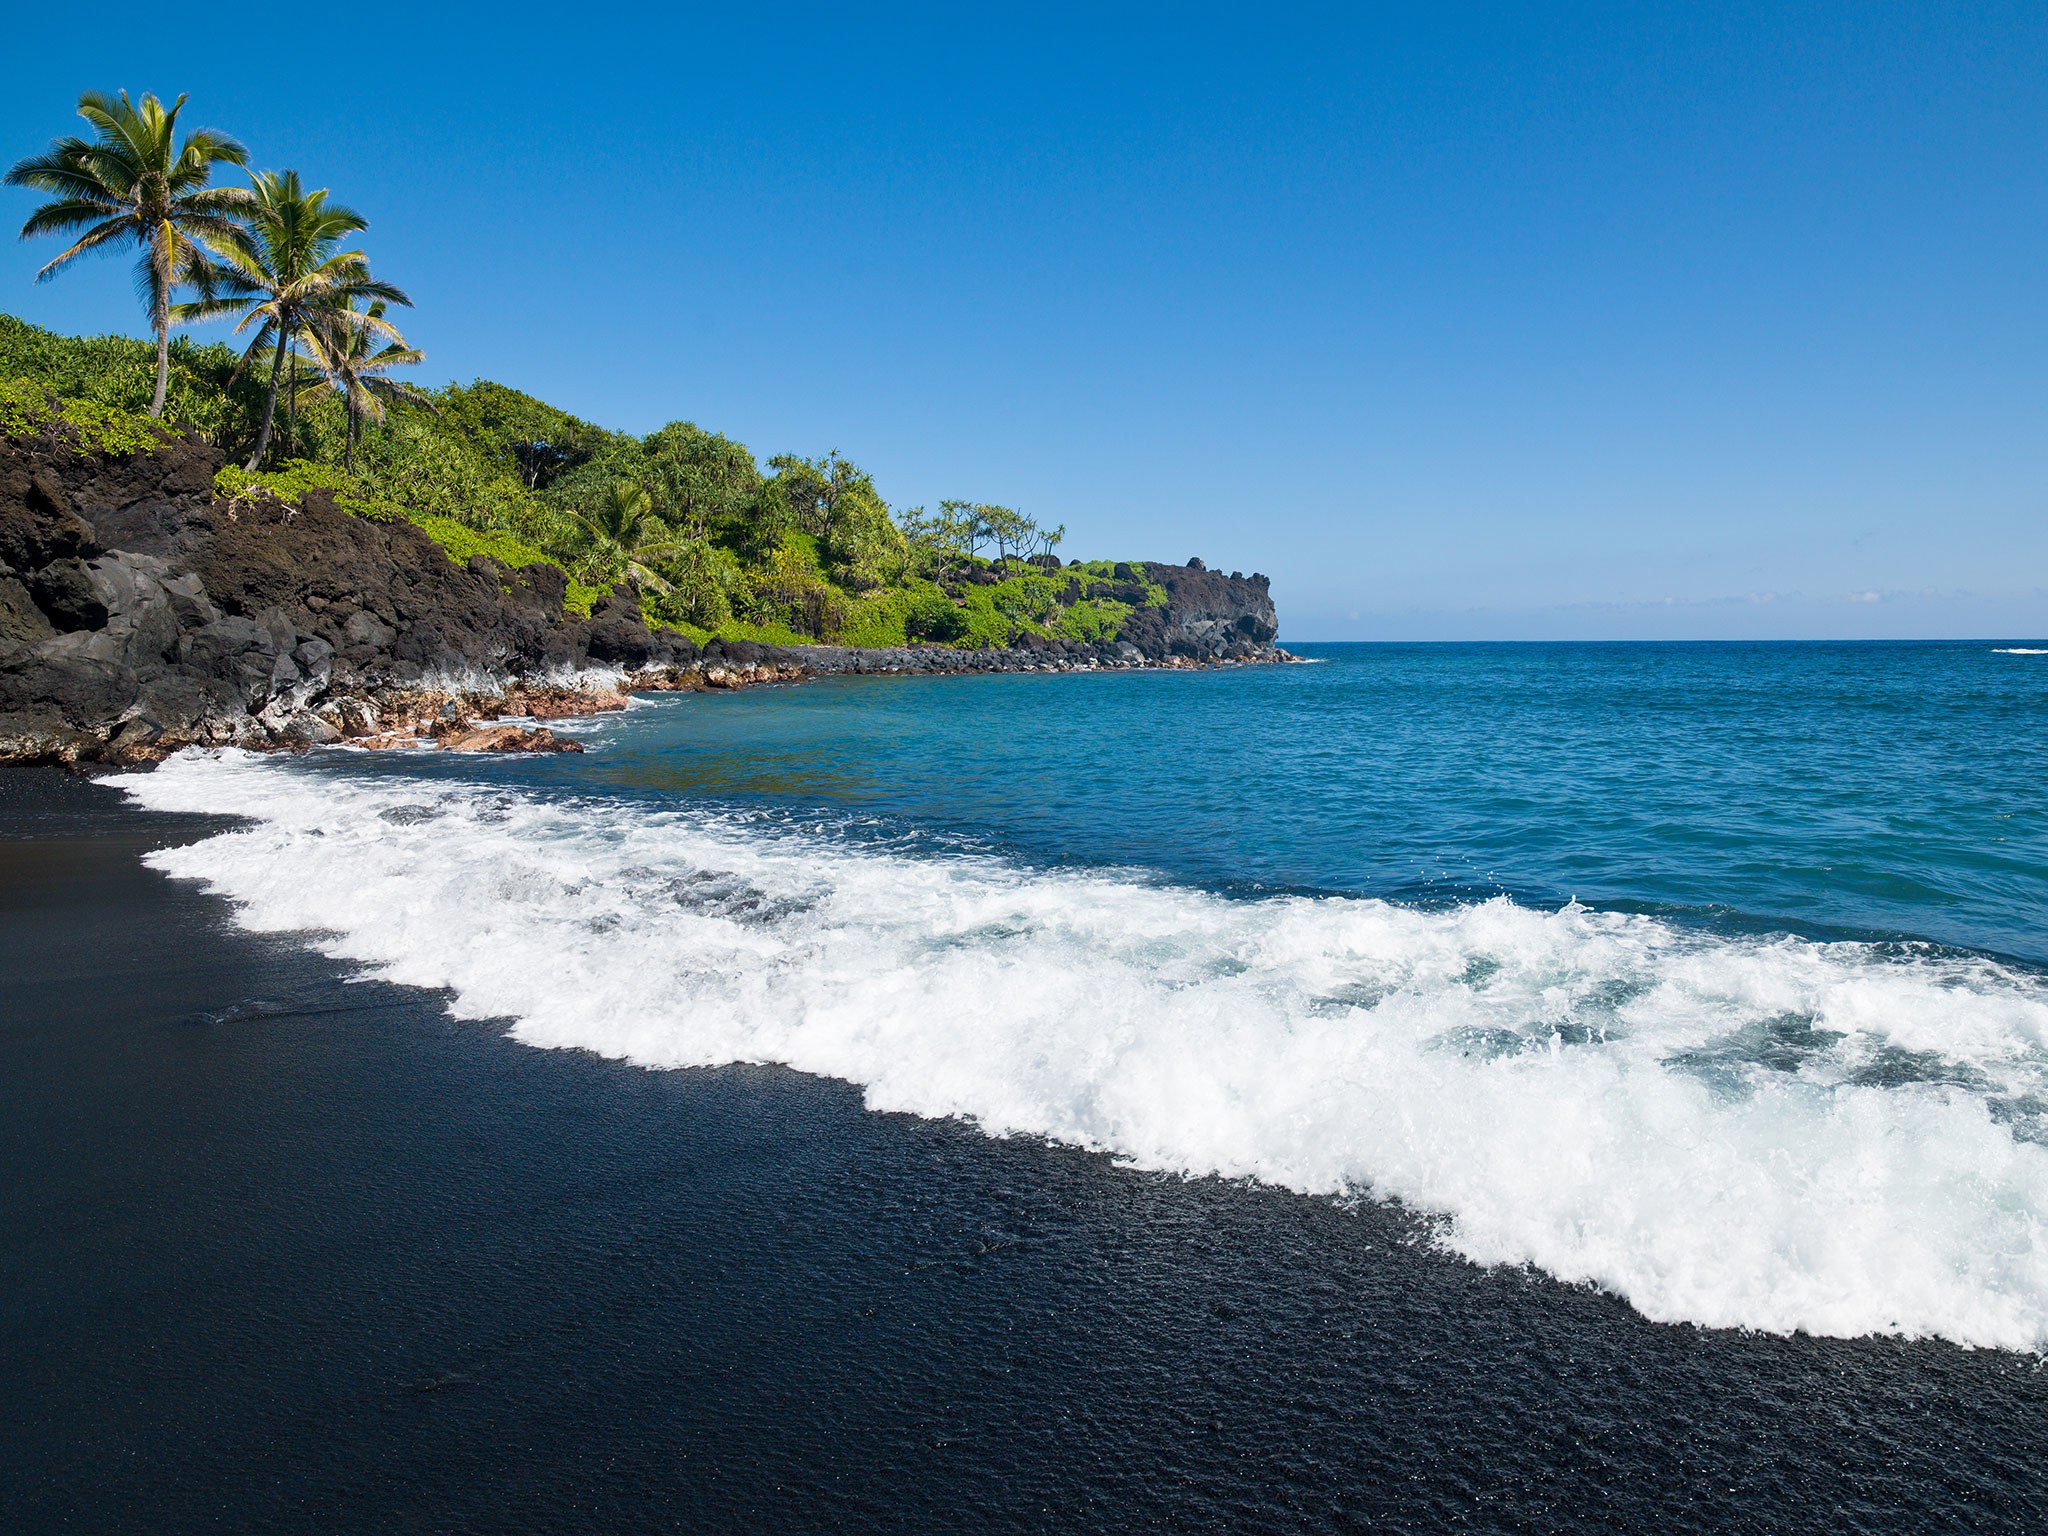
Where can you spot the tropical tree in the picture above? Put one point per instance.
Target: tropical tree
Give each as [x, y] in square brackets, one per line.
[622, 534]
[938, 543]
[835, 501]
[341, 346]
[703, 480]
[964, 520]
[1011, 531]
[283, 273]
[524, 436]
[705, 582]
[136, 184]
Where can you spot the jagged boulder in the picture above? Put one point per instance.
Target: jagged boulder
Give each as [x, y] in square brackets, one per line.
[1208, 616]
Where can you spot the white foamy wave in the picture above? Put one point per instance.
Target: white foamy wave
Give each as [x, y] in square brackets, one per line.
[1771, 1133]
[2016, 650]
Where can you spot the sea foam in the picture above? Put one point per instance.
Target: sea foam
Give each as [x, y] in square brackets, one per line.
[1768, 1133]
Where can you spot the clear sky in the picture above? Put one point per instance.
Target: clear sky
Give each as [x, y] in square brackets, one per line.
[1459, 321]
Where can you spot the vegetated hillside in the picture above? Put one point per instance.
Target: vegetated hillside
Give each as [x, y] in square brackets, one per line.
[142, 611]
[804, 551]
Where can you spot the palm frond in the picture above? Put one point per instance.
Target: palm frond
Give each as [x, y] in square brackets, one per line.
[55, 218]
[226, 203]
[92, 240]
[265, 339]
[389, 358]
[67, 175]
[388, 293]
[206, 307]
[269, 313]
[140, 133]
[205, 148]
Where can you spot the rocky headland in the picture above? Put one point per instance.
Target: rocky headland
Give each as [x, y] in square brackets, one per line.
[140, 613]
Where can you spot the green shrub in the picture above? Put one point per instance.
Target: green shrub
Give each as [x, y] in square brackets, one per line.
[873, 618]
[120, 372]
[416, 463]
[287, 484]
[520, 437]
[28, 408]
[763, 634]
[1092, 619]
[704, 582]
[987, 626]
[934, 616]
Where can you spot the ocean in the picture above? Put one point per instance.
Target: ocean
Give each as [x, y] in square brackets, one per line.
[1674, 1015]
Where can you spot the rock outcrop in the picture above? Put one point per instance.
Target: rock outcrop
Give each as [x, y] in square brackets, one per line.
[1208, 616]
[140, 613]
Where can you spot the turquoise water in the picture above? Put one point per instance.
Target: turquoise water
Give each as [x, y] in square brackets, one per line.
[1711, 975]
[1895, 789]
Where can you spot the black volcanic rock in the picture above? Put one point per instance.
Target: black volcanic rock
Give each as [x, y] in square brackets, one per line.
[137, 608]
[1208, 616]
[616, 634]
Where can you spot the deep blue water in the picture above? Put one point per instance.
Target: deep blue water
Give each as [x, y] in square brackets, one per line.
[1894, 788]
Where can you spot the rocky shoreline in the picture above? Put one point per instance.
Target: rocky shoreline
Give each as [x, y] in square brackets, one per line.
[141, 613]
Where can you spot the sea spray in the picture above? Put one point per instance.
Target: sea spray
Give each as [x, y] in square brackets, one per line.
[1768, 1132]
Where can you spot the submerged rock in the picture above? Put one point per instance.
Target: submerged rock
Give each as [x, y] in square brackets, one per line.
[504, 738]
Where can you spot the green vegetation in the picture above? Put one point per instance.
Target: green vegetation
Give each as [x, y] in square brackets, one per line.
[27, 407]
[709, 539]
[288, 485]
[462, 542]
[119, 372]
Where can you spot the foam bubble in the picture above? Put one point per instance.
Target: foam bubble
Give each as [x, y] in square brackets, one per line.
[1767, 1133]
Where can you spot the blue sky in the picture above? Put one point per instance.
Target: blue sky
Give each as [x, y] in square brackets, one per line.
[1459, 321]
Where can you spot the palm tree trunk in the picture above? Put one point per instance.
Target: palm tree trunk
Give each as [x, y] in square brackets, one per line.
[161, 318]
[348, 459]
[269, 404]
[291, 412]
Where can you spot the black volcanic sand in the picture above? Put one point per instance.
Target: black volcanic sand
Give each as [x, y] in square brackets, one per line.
[282, 1253]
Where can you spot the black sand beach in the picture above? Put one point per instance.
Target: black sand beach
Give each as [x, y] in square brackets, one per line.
[282, 1253]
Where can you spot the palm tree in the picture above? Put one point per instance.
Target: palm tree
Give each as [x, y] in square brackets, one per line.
[338, 345]
[624, 534]
[283, 273]
[134, 184]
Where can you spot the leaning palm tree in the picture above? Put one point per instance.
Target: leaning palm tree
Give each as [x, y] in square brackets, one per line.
[134, 184]
[623, 534]
[341, 346]
[282, 273]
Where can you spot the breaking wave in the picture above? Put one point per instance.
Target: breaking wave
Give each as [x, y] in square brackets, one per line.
[1769, 1133]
